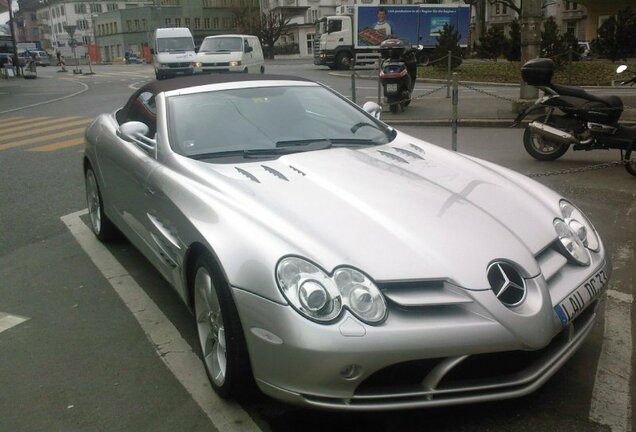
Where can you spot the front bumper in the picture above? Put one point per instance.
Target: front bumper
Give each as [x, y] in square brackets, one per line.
[175, 71]
[219, 69]
[418, 358]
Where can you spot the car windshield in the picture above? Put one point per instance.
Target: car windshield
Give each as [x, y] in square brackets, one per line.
[175, 44]
[267, 121]
[222, 44]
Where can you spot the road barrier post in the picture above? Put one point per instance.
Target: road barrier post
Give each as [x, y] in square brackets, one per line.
[448, 73]
[353, 81]
[454, 119]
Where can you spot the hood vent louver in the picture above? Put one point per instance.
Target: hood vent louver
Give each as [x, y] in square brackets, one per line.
[247, 174]
[408, 153]
[274, 172]
[417, 148]
[297, 170]
[392, 156]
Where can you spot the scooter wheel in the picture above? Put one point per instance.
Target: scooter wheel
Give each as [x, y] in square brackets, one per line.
[394, 106]
[542, 149]
[631, 165]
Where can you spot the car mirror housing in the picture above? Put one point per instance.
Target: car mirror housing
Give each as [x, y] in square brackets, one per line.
[137, 133]
[372, 108]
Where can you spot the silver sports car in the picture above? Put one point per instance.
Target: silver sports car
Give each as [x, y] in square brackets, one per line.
[335, 262]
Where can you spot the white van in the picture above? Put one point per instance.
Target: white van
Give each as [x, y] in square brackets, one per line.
[173, 52]
[230, 53]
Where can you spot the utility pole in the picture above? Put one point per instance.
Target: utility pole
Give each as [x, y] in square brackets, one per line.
[530, 40]
[16, 60]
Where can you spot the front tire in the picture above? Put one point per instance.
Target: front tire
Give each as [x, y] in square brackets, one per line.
[101, 226]
[630, 166]
[221, 340]
[343, 61]
[541, 148]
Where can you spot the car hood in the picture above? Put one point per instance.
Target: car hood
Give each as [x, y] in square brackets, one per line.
[218, 57]
[405, 210]
[180, 57]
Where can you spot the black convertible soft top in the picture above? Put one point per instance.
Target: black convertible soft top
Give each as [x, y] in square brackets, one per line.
[197, 80]
[156, 87]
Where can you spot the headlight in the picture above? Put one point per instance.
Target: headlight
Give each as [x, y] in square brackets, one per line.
[321, 297]
[235, 63]
[580, 225]
[197, 64]
[571, 243]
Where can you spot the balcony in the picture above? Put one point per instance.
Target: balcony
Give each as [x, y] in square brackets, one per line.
[573, 14]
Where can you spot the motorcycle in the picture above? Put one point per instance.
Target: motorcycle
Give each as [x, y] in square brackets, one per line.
[398, 73]
[574, 117]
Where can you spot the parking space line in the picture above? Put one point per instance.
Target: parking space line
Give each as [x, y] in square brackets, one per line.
[58, 145]
[171, 348]
[611, 398]
[7, 321]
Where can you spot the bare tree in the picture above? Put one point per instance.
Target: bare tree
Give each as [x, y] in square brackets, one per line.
[267, 26]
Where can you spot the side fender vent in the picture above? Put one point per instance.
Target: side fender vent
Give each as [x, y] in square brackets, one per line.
[408, 153]
[247, 174]
[274, 172]
[392, 156]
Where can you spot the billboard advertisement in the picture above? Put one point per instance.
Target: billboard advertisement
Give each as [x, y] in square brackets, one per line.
[416, 24]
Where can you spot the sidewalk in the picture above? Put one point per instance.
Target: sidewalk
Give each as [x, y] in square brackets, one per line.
[475, 108]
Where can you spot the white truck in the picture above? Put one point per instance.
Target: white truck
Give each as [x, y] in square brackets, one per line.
[361, 29]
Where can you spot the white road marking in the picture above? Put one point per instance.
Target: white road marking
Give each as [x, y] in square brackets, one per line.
[85, 88]
[7, 321]
[168, 343]
[611, 398]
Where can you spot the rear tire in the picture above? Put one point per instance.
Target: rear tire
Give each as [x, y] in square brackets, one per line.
[262, 69]
[221, 341]
[394, 106]
[542, 149]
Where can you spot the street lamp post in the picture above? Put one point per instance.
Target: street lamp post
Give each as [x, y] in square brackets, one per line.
[15, 45]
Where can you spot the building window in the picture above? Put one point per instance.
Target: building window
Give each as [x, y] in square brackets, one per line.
[215, 22]
[59, 27]
[177, 22]
[312, 15]
[128, 25]
[136, 25]
[80, 8]
[96, 8]
[571, 5]
[310, 43]
[81, 24]
[86, 40]
[206, 23]
[571, 27]
[144, 24]
[168, 22]
[197, 23]
[187, 22]
[115, 27]
[112, 7]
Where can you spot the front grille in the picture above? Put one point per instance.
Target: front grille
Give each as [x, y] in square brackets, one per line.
[215, 64]
[179, 65]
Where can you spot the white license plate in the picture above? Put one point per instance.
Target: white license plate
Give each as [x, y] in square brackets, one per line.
[581, 297]
[391, 88]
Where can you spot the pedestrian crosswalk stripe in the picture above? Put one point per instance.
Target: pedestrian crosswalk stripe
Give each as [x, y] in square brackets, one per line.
[42, 138]
[7, 321]
[8, 120]
[24, 121]
[40, 123]
[37, 131]
[58, 145]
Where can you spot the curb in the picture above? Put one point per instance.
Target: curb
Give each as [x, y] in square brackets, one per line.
[483, 123]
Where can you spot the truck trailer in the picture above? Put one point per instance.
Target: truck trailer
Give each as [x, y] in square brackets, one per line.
[361, 28]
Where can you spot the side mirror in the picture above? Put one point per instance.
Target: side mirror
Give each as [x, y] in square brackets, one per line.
[152, 51]
[137, 133]
[621, 69]
[248, 49]
[372, 108]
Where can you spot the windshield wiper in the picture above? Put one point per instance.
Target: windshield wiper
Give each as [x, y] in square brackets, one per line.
[346, 142]
[253, 153]
[302, 142]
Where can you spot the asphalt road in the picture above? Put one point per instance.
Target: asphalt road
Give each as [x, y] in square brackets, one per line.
[80, 361]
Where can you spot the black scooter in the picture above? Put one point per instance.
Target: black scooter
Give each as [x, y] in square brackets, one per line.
[398, 73]
[573, 117]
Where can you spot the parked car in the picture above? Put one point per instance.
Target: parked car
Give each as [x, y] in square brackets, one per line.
[586, 53]
[230, 53]
[42, 58]
[335, 261]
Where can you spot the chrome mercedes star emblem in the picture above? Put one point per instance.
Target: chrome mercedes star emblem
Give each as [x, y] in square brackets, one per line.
[507, 284]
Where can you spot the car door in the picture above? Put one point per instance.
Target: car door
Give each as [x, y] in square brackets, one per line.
[247, 56]
[125, 168]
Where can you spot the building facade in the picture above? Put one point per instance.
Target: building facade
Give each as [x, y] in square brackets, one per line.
[26, 26]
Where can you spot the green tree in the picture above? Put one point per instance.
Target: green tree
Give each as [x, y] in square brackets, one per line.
[512, 49]
[448, 40]
[552, 44]
[491, 45]
[617, 36]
